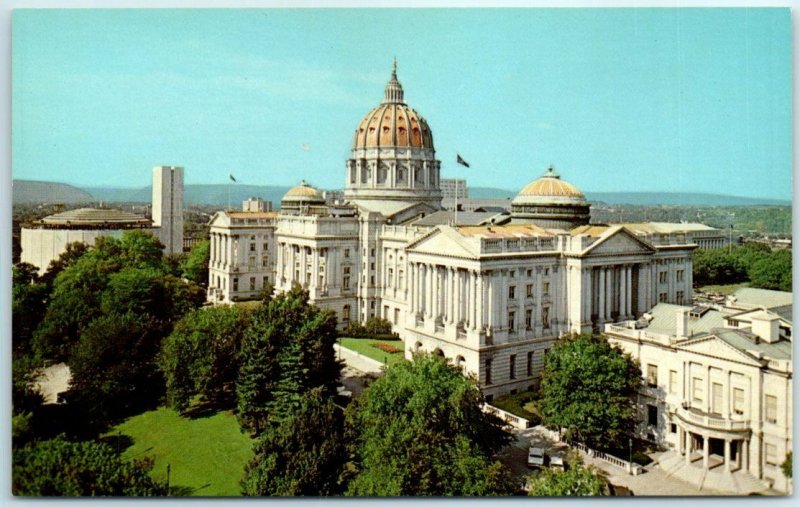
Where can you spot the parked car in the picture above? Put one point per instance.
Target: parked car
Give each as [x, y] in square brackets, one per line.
[557, 461]
[535, 456]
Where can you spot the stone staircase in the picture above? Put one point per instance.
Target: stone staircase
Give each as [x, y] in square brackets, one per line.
[715, 480]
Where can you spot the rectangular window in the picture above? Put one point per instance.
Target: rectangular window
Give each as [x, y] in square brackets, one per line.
[679, 297]
[546, 317]
[770, 454]
[391, 277]
[346, 253]
[697, 389]
[511, 292]
[679, 275]
[346, 313]
[252, 283]
[251, 262]
[252, 247]
[716, 398]
[652, 375]
[662, 297]
[235, 284]
[396, 315]
[529, 273]
[529, 369]
[652, 415]
[546, 288]
[372, 280]
[511, 325]
[346, 282]
[673, 382]
[401, 279]
[265, 246]
[372, 253]
[528, 319]
[546, 271]
[771, 408]
[673, 428]
[738, 401]
[512, 366]
[372, 265]
[662, 277]
[264, 261]
[488, 368]
[386, 312]
[529, 290]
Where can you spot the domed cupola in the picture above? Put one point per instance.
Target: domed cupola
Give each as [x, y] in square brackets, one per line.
[393, 157]
[300, 197]
[550, 202]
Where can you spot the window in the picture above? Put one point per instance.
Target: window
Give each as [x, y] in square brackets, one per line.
[529, 273]
[716, 398]
[673, 382]
[252, 283]
[770, 454]
[346, 277]
[546, 317]
[697, 389]
[679, 275]
[235, 284]
[546, 271]
[529, 368]
[511, 325]
[673, 428]
[662, 297]
[372, 280]
[512, 366]
[652, 375]
[372, 253]
[346, 313]
[386, 312]
[528, 319]
[662, 277]
[251, 262]
[346, 253]
[264, 261]
[488, 368]
[511, 291]
[372, 265]
[771, 408]
[252, 247]
[321, 280]
[738, 401]
[679, 297]
[529, 290]
[401, 278]
[546, 288]
[512, 274]
[396, 315]
[652, 415]
[372, 305]
[265, 246]
[264, 282]
[391, 277]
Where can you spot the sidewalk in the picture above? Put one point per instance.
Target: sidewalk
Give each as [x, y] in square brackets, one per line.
[358, 361]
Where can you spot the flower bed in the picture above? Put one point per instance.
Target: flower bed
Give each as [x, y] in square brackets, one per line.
[386, 347]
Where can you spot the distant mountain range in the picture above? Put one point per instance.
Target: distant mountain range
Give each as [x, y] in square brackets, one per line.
[26, 191]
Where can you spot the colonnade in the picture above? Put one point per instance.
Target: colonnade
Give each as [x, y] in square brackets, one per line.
[365, 174]
[448, 295]
[614, 292]
[224, 249]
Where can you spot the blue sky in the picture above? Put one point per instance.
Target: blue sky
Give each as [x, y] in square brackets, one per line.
[617, 99]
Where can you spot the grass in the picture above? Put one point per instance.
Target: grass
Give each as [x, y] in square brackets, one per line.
[206, 455]
[723, 289]
[362, 346]
[520, 404]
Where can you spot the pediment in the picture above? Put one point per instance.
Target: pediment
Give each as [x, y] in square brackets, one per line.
[619, 241]
[715, 347]
[440, 241]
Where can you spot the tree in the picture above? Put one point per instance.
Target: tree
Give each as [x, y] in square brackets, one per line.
[590, 388]
[61, 468]
[286, 351]
[195, 265]
[577, 480]
[72, 253]
[420, 430]
[113, 366]
[28, 303]
[786, 466]
[303, 455]
[201, 355]
[772, 272]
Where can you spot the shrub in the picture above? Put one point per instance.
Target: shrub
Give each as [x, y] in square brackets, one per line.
[377, 326]
[386, 347]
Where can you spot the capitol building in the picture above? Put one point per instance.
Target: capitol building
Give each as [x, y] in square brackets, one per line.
[488, 291]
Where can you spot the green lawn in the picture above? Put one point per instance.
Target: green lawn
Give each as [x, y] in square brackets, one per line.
[206, 455]
[723, 289]
[362, 346]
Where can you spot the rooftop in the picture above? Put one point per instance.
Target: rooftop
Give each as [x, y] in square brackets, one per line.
[96, 217]
[505, 231]
[748, 297]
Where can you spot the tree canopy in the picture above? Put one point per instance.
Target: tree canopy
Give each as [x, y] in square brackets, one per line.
[303, 455]
[61, 468]
[286, 351]
[589, 388]
[202, 354]
[195, 265]
[420, 430]
[577, 480]
[753, 262]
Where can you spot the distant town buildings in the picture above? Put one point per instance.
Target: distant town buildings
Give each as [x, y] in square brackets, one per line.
[45, 240]
[452, 188]
[256, 204]
[718, 390]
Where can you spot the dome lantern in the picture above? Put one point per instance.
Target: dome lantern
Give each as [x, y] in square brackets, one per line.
[394, 90]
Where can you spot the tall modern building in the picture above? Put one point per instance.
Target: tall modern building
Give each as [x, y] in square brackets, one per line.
[452, 188]
[168, 206]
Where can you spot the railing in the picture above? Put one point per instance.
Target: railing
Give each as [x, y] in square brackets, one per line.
[631, 468]
[510, 419]
[712, 421]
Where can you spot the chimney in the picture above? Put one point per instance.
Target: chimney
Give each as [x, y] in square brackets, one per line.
[766, 327]
[682, 330]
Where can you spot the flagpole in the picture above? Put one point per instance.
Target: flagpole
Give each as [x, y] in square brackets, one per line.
[456, 203]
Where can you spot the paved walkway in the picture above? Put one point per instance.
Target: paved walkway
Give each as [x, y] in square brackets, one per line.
[358, 361]
[654, 482]
[53, 381]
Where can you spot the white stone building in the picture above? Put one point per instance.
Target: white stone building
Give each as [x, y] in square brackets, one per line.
[717, 390]
[44, 241]
[492, 295]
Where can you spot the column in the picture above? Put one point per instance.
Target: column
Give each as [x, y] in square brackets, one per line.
[621, 297]
[601, 295]
[413, 284]
[628, 290]
[470, 293]
[429, 288]
[727, 455]
[688, 447]
[474, 297]
[706, 450]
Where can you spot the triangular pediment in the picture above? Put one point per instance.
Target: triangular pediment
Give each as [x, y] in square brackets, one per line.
[443, 241]
[714, 346]
[619, 241]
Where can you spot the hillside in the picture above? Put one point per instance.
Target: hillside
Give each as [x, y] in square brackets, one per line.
[196, 194]
[32, 192]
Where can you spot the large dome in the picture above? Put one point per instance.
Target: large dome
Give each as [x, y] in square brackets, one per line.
[393, 123]
[303, 193]
[550, 202]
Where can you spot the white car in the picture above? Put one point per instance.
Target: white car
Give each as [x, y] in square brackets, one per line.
[557, 461]
[535, 457]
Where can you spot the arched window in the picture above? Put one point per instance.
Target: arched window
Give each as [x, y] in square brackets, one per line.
[460, 362]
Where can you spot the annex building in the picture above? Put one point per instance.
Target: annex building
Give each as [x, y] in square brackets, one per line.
[489, 290]
[718, 387]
